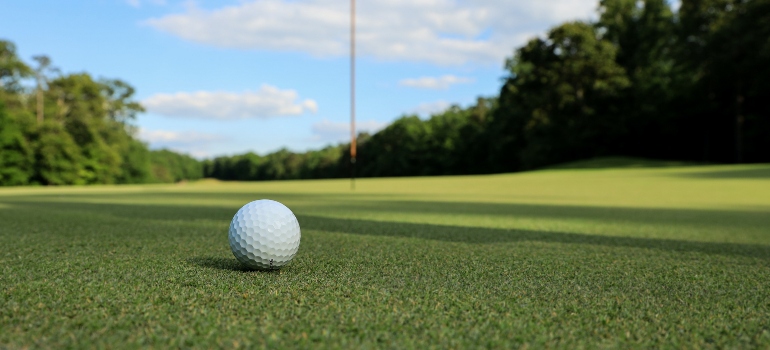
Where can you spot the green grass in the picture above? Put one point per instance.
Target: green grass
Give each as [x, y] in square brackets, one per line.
[605, 258]
[620, 162]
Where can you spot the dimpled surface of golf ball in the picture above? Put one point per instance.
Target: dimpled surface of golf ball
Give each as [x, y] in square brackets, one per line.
[264, 234]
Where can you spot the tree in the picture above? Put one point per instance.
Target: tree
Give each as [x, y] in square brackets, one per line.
[83, 133]
[473, 151]
[16, 156]
[12, 69]
[168, 166]
[43, 67]
[97, 114]
[118, 94]
[722, 45]
[137, 166]
[119, 132]
[58, 160]
[643, 33]
[398, 150]
[558, 102]
[735, 72]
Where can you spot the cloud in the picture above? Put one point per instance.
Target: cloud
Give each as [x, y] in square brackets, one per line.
[175, 137]
[430, 108]
[268, 102]
[439, 83]
[191, 142]
[138, 3]
[326, 130]
[444, 32]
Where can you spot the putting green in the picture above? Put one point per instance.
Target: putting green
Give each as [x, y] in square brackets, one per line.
[579, 258]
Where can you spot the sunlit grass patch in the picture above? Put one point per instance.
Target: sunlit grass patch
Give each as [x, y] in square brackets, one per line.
[626, 258]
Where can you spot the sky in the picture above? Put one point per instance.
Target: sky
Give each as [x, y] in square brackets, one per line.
[229, 77]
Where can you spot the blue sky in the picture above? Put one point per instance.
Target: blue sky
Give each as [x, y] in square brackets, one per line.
[227, 77]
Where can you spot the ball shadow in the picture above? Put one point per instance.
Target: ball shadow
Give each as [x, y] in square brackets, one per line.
[227, 264]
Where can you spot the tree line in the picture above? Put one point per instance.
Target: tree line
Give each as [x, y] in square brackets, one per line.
[74, 129]
[641, 80]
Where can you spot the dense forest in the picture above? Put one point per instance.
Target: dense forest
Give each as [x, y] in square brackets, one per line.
[643, 80]
[73, 129]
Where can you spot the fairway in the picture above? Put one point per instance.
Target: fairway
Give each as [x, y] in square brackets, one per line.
[675, 257]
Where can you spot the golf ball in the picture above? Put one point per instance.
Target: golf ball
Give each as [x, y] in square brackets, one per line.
[264, 234]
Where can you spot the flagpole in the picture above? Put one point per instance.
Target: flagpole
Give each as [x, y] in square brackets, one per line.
[352, 94]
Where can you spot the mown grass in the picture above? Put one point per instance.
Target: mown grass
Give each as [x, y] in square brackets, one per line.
[611, 258]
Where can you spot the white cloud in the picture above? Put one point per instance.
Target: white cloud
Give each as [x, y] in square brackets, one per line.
[438, 83]
[138, 3]
[191, 142]
[175, 137]
[268, 102]
[436, 31]
[430, 108]
[326, 130]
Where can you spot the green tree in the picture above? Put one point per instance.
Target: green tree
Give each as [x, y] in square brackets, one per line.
[169, 166]
[557, 104]
[644, 34]
[400, 149]
[120, 106]
[324, 163]
[280, 165]
[473, 150]
[137, 165]
[41, 78]
[247, 167]
[58, 160]
[86, 135]
[119, 132]
[12, 69]
[722, 48]
[16, 155]
[96, 121]
[733, 72]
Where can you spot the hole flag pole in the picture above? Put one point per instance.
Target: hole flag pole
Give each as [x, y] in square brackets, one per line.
[352, 94]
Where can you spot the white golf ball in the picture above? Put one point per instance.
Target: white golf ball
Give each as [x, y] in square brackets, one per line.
[264, 234]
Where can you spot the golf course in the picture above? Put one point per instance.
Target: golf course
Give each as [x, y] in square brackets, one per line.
[581, 257]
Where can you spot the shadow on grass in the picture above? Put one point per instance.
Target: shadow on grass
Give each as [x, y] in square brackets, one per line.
[480, 235]
[148, 196]
[734, 220]
[618, 163]
[728, 219]
[751, 173]
[317, 204]
[224, 264]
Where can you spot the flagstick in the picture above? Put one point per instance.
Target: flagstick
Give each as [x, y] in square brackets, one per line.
[352, 94]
